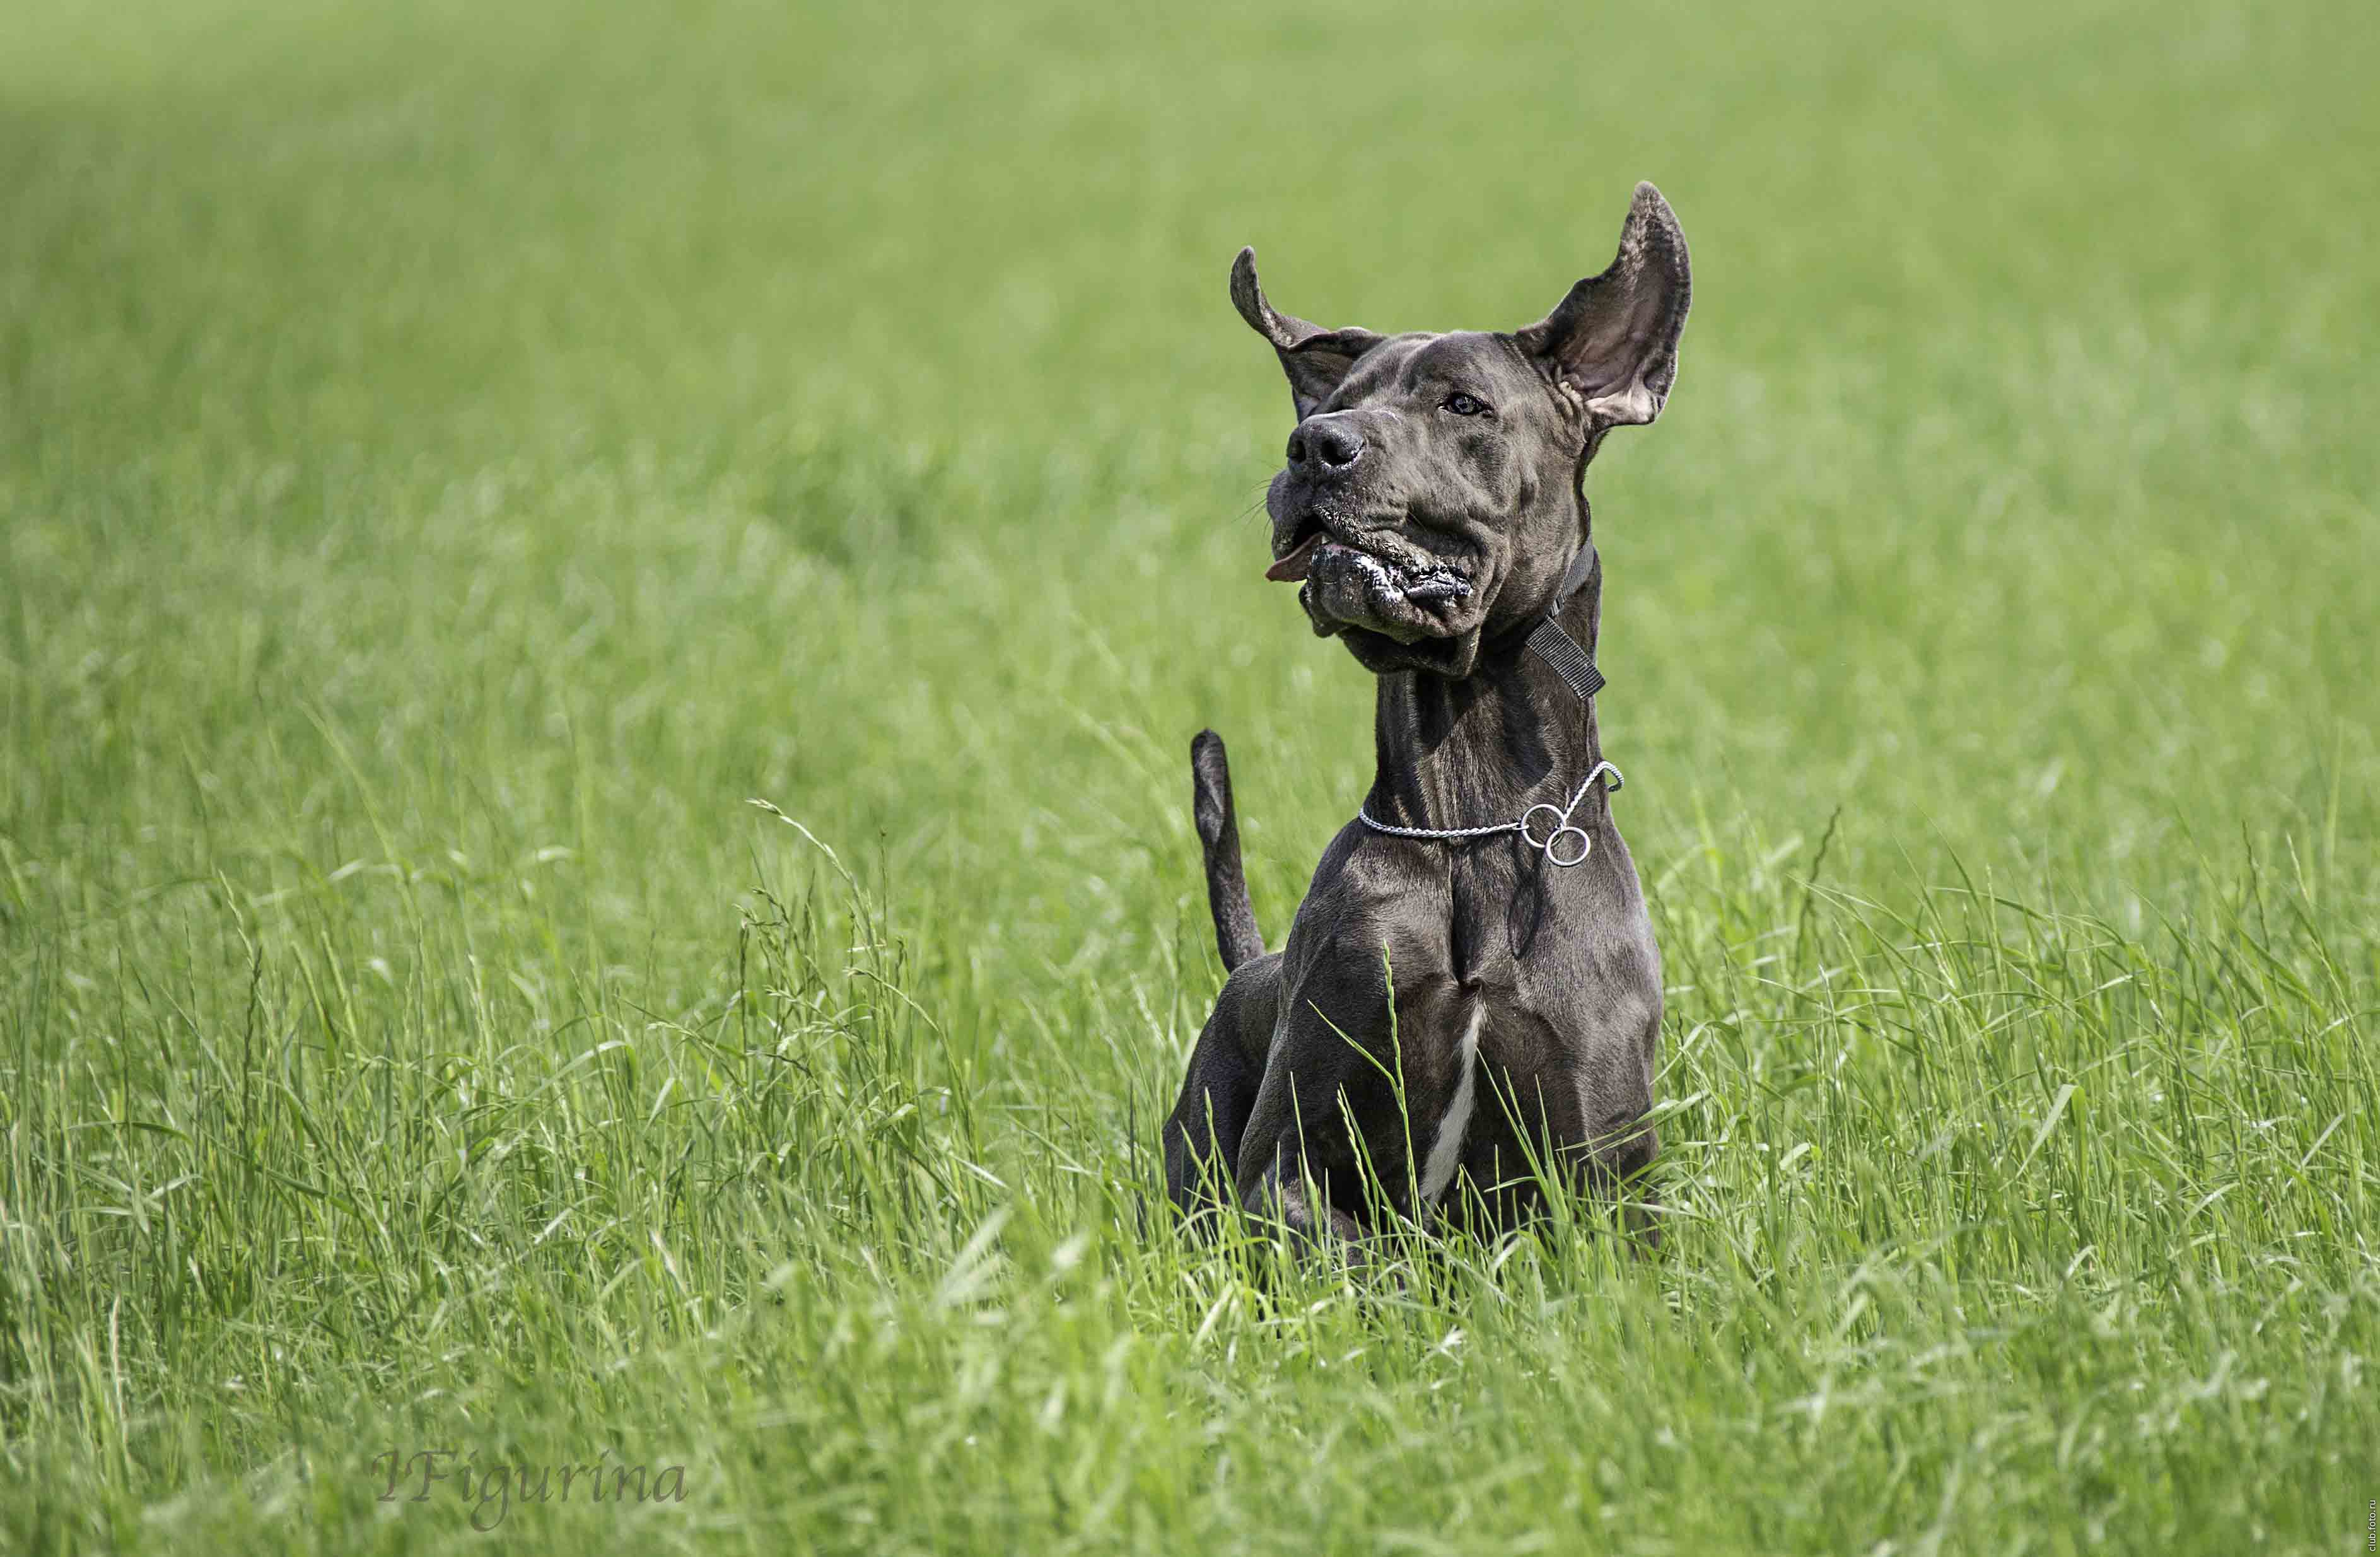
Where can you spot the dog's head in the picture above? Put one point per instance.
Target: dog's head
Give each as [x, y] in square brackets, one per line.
[1431, 497]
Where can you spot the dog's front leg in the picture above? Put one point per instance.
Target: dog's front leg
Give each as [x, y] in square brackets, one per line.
[1298, 1161]
[1329, 1150]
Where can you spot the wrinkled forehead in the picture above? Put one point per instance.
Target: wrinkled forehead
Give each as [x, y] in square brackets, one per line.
[1469, 360]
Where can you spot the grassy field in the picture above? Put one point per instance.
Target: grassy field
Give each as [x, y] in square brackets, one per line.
[454, 458]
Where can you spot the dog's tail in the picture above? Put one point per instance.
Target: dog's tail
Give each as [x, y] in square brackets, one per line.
[1218, 830]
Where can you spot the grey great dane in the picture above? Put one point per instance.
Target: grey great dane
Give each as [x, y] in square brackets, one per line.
[1467, 1005]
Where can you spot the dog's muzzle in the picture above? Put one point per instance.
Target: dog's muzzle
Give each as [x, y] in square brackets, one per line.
[1348, 586]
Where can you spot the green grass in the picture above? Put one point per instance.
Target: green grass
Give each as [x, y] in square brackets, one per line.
[450, 462]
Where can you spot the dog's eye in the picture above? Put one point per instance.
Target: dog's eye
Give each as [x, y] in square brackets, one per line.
[1464, 406]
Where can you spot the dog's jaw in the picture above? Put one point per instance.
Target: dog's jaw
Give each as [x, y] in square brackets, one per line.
[1382, 654]
[1398, 604]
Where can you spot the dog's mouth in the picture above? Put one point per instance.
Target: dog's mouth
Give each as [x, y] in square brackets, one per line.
[1396, 604]
[1422, 580]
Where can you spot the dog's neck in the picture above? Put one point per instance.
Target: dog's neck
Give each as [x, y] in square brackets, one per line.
[1481, 750]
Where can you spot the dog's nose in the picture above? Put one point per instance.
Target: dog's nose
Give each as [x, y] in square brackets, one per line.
[1332, 443]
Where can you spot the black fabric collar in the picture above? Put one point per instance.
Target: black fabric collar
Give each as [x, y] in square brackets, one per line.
[1556, 648]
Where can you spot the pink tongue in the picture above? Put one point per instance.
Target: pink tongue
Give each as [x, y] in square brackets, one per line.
[1293, 566]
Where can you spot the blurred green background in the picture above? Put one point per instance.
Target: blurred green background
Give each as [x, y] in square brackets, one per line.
[452, 457]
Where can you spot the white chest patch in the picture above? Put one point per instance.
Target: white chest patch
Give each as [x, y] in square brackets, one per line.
[1446, 1151]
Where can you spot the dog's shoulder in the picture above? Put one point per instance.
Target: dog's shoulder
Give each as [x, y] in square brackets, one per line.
[1376, 904]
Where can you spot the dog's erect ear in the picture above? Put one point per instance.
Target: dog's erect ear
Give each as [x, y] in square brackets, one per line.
[1614, 340]
[1315, 358]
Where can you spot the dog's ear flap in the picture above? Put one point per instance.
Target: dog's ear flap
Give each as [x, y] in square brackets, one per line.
[1315, 358]
[1613, 341]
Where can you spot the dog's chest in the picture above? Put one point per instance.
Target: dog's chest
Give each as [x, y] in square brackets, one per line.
[1544, 953]
[1502, 919]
